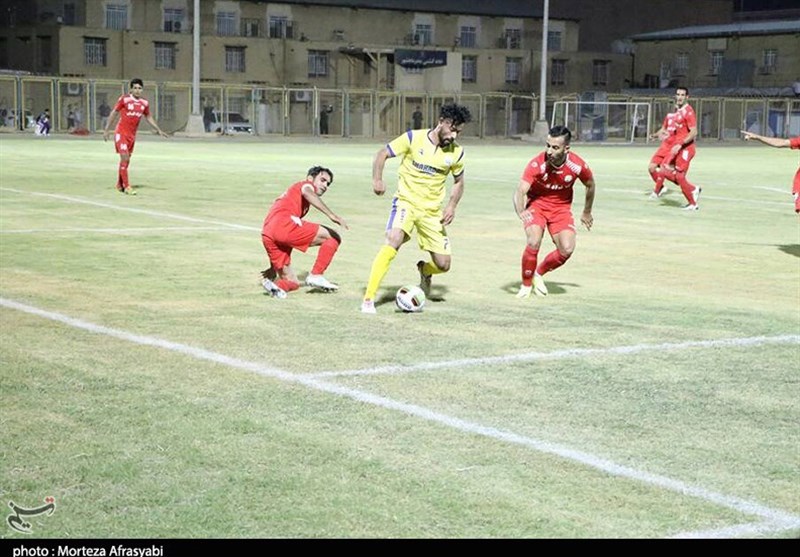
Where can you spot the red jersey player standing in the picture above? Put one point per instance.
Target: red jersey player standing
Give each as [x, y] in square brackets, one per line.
[284, 230]
[793, 143]
[543, 200]
[129, 109]
[671, 160]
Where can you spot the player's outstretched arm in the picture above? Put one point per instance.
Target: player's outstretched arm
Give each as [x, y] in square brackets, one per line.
[771, 141]
[520, 198]
[152, 122]
[110, 125]
[586, 217]
[317, 202]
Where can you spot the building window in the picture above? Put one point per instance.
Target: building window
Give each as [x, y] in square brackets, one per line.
[226, 24]
[234, 59]
[166, 107]
[512, 39]
[251, 27]
[69, 13]
[681, 64]
[770, 59]
[94, 51]
[600, 72]
[45, 47]
[423, 33]
[165, 56]
[468, 37]
[280, 27]
[554, 41]
[716, 57]
[558, 72]
[469, 69]
[317, 63]
[513, 67]
[173, 20]
[117, 16]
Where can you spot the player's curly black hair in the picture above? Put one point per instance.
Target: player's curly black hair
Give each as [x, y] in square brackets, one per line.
[314, 170]
[456, 113]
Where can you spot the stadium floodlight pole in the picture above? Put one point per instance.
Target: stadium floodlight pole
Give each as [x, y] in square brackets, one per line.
[195, 124]
[541, 128]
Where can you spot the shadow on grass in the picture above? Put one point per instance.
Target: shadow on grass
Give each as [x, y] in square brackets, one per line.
[791, 249]
[553, 288]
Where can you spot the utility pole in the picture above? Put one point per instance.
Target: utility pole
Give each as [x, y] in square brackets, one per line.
[194, 126]
[541, 127]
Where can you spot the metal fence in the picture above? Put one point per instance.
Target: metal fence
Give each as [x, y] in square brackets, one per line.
[82, 106]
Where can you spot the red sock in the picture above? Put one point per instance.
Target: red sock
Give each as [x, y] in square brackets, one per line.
[654, 174]
[287, 285]
[529, 257]
[554, 260]
[686, 188]
[325, 255]
[123, 174]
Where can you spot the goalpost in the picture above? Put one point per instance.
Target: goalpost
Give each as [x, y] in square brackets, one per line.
[613, 121]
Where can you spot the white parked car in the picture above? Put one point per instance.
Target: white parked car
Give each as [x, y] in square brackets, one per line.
[230, 122]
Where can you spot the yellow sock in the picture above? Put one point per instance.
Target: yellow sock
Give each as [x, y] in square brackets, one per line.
[380, 266]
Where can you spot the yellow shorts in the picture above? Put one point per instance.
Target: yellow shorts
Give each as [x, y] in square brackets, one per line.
[431, 235]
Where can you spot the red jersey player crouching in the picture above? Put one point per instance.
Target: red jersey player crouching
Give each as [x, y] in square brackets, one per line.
[543, 200]
[793, 143]
[129, 109]
[284, 230]
[672, 159]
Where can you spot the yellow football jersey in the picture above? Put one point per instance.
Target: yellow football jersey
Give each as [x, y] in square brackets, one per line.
[424, 168]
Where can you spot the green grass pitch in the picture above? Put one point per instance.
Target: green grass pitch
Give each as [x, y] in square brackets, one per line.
[153, 389]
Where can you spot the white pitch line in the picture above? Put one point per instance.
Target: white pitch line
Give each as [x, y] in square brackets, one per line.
[738, 530]
[116, 230]
[781, 519]
[131, 209]
[562, 354]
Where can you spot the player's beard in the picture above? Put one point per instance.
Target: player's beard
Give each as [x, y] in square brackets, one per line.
[555, 161]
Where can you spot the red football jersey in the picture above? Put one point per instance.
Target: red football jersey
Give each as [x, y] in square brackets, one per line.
[679, 122]
[794, 142]
[291, 203]
[130, 111]
[554, 186]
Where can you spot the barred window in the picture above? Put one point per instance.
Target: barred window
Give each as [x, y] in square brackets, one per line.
[558, 72]
[681, 63]
[234, 59]
[600, 72]
[173, 20]
[469, 69]
[317, 63]
[468, 36]
[94, 51]
[280, 27]
[512, 38]
[716, 57]
[554, 41]
[423, 33]
[226, 24]
[513, 67]
[165, 56]
[117, 16]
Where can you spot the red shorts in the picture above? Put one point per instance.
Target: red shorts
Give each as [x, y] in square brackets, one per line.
[554, 219]
[663, 155]
[796, 191]
[281, 236]
[684, 157]
[124, 143]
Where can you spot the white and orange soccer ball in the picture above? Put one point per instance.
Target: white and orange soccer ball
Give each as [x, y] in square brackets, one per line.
[410, 299]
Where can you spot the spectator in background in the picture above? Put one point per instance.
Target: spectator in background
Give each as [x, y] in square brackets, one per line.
[796, 87]
[70, 118]
[323, 119]
[78, 117]
[208, 116]
[43, 123]
[104, 111]
[416, 117]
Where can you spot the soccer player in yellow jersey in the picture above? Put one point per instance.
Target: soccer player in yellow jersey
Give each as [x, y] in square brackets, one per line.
[428, 156]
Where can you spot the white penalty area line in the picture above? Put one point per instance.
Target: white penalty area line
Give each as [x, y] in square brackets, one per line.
[131, 209]
[780, 519]
[563, 354]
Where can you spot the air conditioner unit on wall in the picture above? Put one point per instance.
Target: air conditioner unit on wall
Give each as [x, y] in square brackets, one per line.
[74, 88]
[301, 96]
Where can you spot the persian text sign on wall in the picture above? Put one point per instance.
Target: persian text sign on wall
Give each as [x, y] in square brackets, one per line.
[420, 58]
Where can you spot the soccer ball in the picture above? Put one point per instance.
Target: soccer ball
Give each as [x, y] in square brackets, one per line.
[410, 299]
